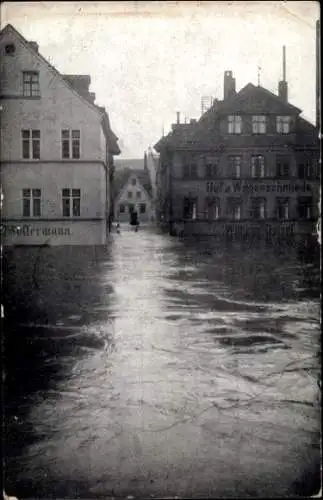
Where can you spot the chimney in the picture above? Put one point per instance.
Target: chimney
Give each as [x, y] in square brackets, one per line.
[283, 85]
[34, 45]
[178, 117]
[318, 76]
[229, 87]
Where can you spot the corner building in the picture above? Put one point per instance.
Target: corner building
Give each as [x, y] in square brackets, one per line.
[57, 151]
[248, 166]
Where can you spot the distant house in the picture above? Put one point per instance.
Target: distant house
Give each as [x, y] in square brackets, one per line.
[134, 194]
[57, 151]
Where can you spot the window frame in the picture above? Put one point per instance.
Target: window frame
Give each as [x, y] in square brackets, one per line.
[254, 167]
[285, 203]
[69, 143]
[234, 124]
[71, 202]
[33, 198]
[259, 124]
[233, 164]
[211, 170]
[281, 122]
[30, 138]
[30, 88]
[258, 202]
[281, 163]
[234, 208]
[212, 208]
[141, 205]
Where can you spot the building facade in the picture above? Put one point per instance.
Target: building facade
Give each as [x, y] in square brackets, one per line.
[248, 166]
[134, 197]
[57, 151]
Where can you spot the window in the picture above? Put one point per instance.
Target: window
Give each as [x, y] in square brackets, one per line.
[189, 208]
[308, 169]
[129, 195]
[282, 167]
[305, 207]
[133, 182]
[190, 171]
[211, 170]
[234, 208]
[282, 208]
[235, 166]
[212, 208]
[283, 124]
[131, 208]
[122, 209]
[138, 195]
[234, 124]
[142, 208]
[258, 208]
[71, 202]
[31, 83]
[71, 144]
[30, 144]
[10, 49]
[259, 124]
[258, 166]
[31, 202]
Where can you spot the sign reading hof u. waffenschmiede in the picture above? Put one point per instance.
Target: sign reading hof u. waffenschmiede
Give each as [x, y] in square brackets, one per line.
[241, 187]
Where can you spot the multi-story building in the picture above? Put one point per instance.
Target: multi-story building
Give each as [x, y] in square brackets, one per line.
[249, 165]
[57, 151]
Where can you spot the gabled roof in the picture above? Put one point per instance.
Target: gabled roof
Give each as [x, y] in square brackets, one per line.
[33, 49]
[142, 177]
[122, 176]
[205, 135]
[180, 136]
[253, 98]
[75, 83]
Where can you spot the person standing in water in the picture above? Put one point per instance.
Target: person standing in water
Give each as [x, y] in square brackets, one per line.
[134, 220]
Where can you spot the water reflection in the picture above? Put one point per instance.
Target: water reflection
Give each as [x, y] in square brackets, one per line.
[206, 354]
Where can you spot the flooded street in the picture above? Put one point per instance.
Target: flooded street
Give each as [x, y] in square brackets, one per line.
[161, 368]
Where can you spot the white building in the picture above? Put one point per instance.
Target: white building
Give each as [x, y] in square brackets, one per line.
[56, 151]
[134, 197]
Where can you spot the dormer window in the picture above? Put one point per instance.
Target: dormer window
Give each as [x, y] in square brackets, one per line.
[234, 124]
[133, 181]
[10, 49]
[283, 124]
[258, 124]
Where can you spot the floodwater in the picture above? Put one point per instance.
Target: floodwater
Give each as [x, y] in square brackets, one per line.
[161, 368]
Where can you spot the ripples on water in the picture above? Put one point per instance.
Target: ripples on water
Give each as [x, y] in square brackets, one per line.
[154, 336]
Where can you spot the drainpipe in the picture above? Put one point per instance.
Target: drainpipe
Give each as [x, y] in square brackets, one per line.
[170, 190]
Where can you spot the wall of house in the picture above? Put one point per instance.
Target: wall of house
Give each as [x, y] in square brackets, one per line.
[51, 232]
[57, 108]
[246, 188]
[51, 178]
